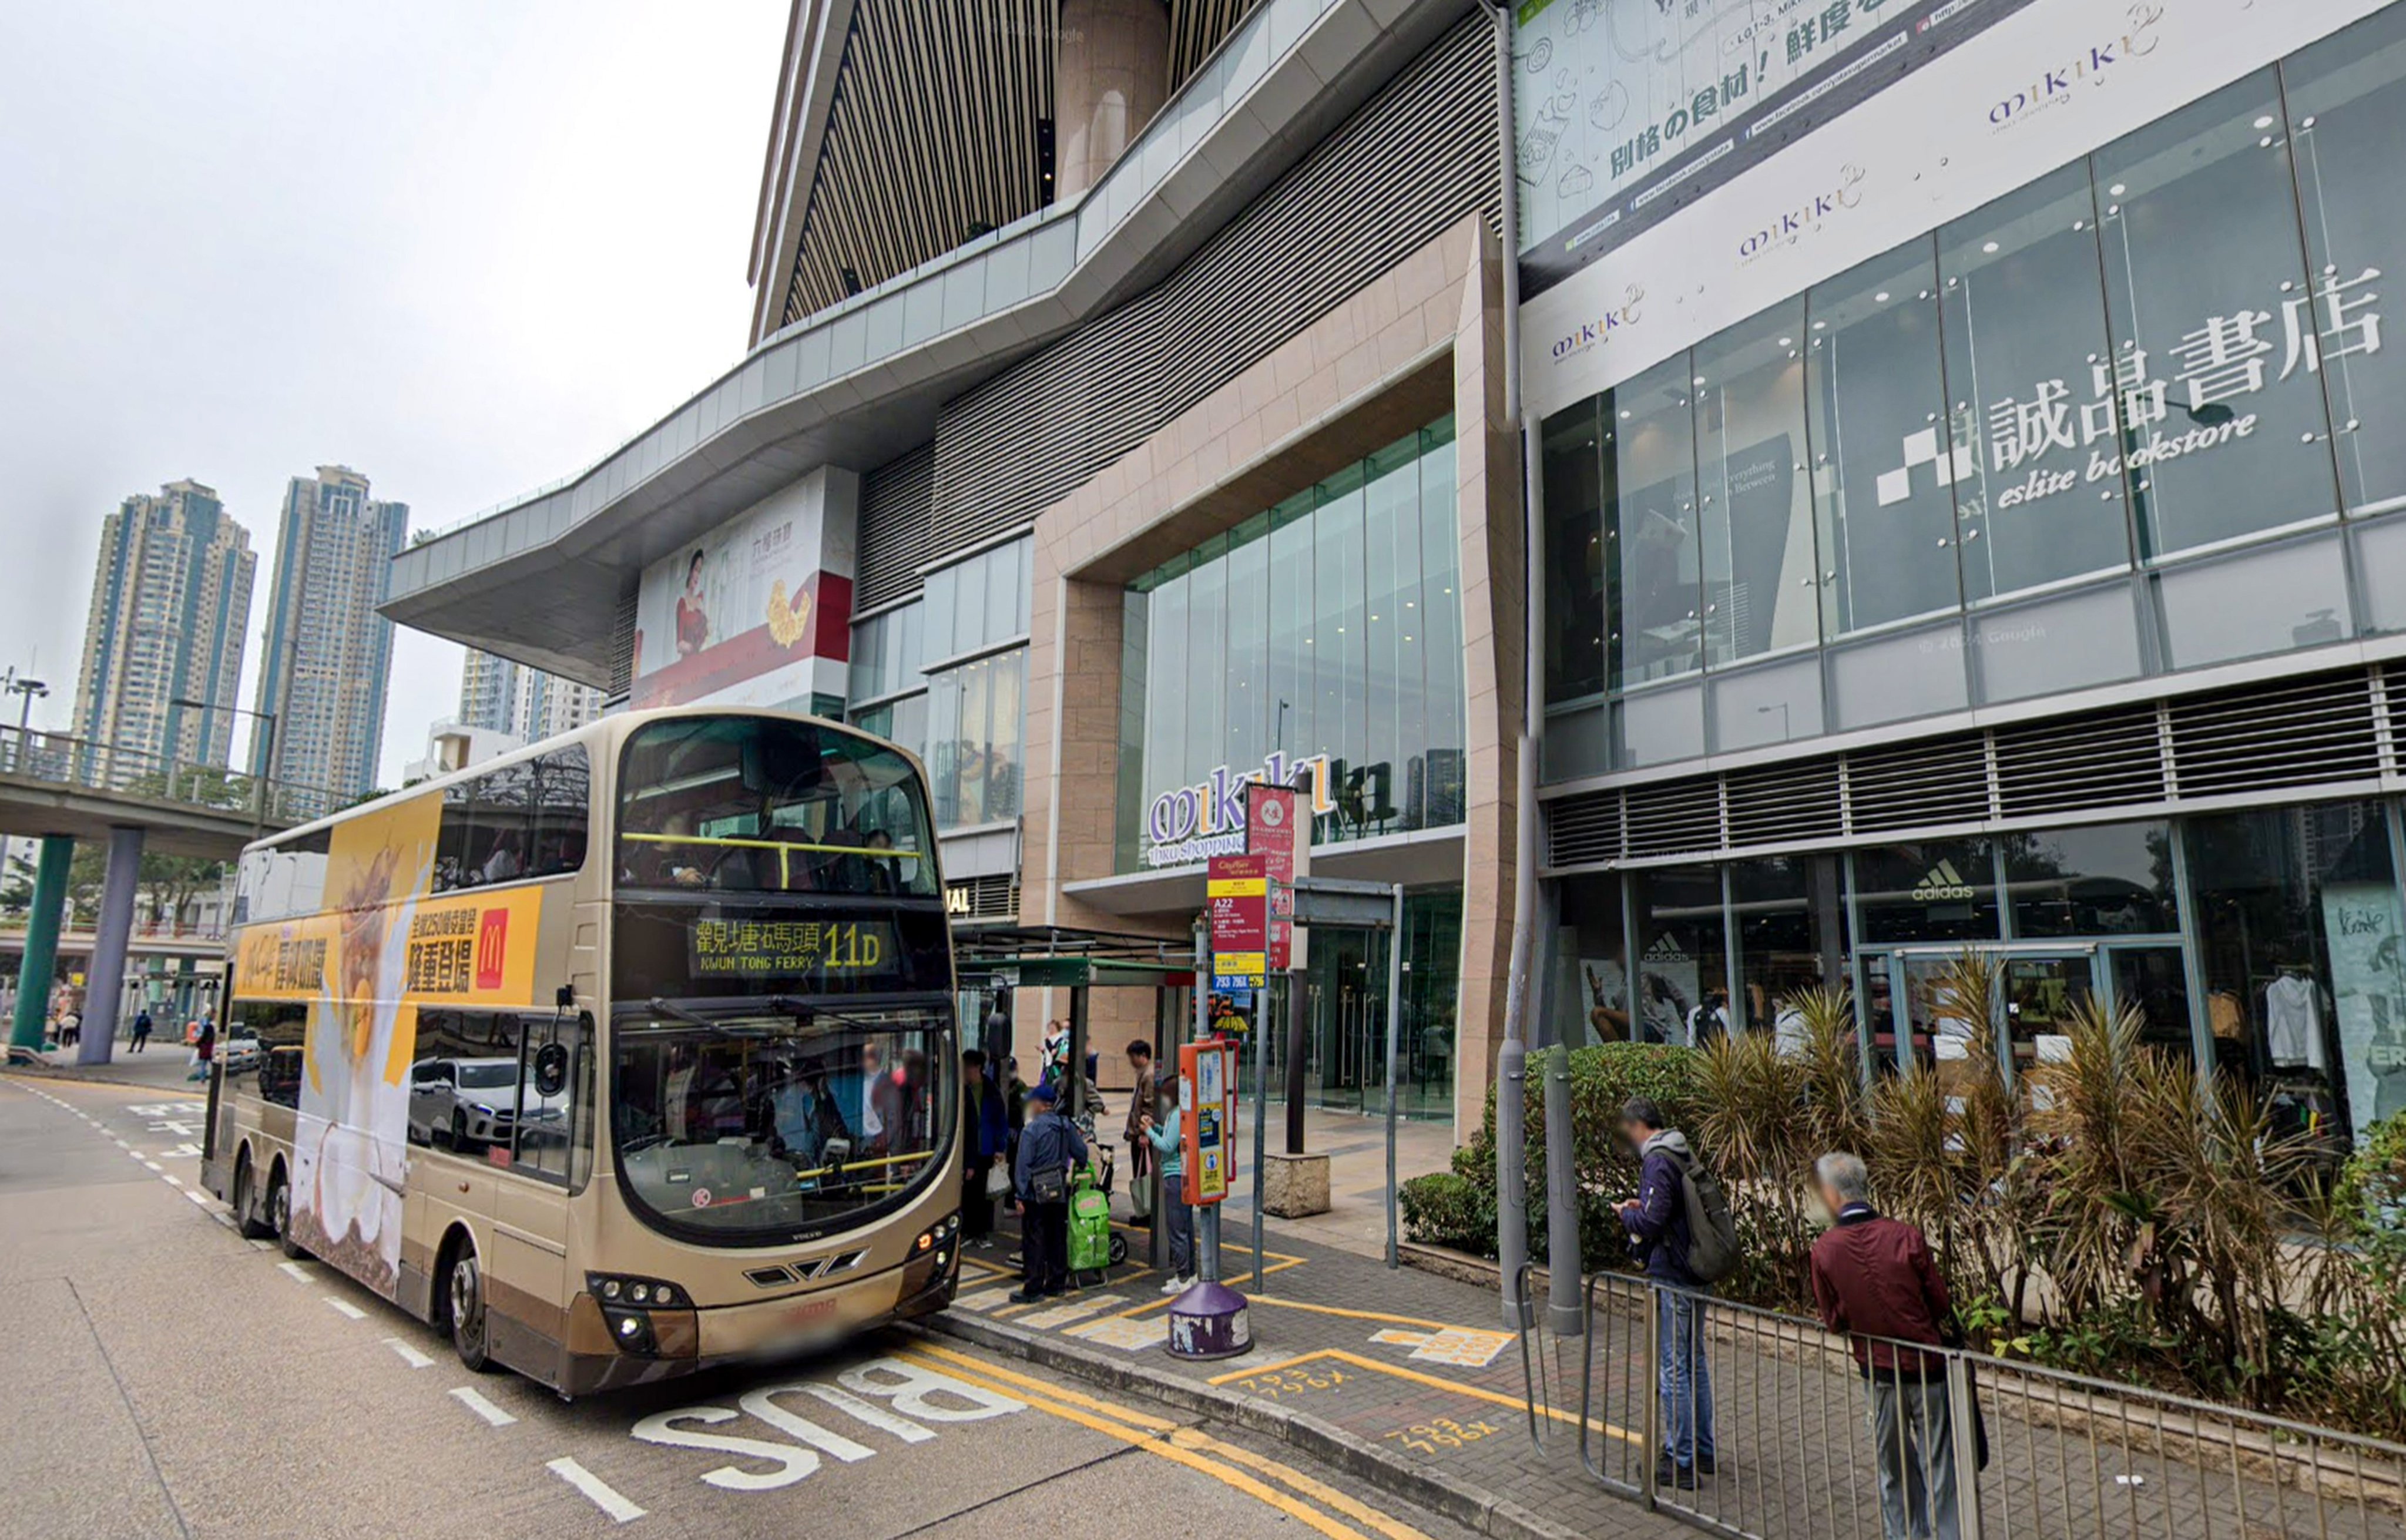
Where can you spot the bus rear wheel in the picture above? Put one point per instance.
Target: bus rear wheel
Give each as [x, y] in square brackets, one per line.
[280, 1216]
[245, 1201]
[463, 1307]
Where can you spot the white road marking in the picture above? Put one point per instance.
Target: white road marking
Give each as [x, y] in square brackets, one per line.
[294, 1271]
[876, 1417]
[604, 1497]
[258, 1245]
[347, 1307]
[408, 1354]
[122, 1145]
[474, 1401]
[200, 1198]
[172, 1182]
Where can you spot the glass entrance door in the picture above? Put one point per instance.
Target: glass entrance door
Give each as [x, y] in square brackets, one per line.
[2039, 989]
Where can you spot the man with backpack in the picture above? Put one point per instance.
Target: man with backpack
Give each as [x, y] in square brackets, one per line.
[1048, 1147]
[1687, 1248]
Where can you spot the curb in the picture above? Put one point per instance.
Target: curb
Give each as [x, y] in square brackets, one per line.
[1465, 1503]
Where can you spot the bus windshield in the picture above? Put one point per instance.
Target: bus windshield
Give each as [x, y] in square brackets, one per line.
[753, 805]
[756, 1126]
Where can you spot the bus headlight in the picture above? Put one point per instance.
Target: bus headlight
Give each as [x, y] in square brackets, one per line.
[611, 1287]
[935, 1243]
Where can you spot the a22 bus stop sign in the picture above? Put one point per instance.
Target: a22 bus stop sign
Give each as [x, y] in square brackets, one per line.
[1237, 888]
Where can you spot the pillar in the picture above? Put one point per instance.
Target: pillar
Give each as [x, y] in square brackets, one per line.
[1110, 76]
[41, 960]
[105, 987]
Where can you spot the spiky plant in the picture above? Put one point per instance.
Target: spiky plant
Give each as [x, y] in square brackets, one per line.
[1755, 1126]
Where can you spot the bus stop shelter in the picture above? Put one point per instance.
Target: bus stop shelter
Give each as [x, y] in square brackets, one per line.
[1021, 957]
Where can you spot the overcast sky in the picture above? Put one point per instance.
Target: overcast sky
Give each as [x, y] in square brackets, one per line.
[465, 246]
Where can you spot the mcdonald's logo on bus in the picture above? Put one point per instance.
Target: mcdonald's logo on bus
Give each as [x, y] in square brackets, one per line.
[493, 948]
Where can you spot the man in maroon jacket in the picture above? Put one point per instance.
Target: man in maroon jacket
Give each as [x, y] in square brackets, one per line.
[1875, 1280]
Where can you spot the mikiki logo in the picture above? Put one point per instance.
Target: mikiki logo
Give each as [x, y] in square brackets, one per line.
[1943, 882]
[2090, 67]
[1792, 224]
[1597, 332]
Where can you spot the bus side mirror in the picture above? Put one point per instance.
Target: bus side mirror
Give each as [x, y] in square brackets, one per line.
[550, 1070]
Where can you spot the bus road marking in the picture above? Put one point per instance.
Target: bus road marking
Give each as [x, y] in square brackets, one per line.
[408, 1354]
[199, 1199]
[474, 1401]
[876, 1417]
[347, 1307]
[603, 1494]
[294, 1271]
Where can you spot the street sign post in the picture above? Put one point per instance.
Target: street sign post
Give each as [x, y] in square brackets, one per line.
[1208, 1320]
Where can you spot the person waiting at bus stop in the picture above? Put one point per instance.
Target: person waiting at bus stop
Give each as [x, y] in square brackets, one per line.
[1049, 1148]
[985, 1135]
[1164, 1133]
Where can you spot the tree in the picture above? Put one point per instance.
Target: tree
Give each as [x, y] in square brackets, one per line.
[165, 886]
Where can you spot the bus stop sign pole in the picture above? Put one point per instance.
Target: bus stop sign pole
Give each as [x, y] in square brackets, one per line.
[1208, 1320]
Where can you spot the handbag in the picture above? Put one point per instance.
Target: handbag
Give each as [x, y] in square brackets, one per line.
[1049, 1185]
[1951, 1337]
[998, 1182]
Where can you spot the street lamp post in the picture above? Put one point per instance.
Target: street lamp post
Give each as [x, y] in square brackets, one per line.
[258, 791]
[28, 691]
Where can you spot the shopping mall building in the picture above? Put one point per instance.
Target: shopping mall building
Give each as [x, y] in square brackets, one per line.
[1969, 453]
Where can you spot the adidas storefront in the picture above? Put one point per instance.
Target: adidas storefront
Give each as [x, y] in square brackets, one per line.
[1982, 521]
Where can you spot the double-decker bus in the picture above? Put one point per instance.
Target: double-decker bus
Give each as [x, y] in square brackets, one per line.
[621, 1055]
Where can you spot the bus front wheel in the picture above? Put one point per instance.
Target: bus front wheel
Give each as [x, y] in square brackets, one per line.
[464, 1306]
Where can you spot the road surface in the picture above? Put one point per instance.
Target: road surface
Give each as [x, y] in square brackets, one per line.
[169, 1378]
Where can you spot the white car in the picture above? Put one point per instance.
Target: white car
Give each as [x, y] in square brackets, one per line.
[470, 1105]
[241, 1053]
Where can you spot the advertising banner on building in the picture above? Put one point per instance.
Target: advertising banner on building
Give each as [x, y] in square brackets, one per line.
[758, 612]
[2049, 82]
[2366, 935]
[1626, 107]
[1277, 831]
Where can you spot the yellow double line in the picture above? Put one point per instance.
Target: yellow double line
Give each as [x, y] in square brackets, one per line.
[1181, 1446]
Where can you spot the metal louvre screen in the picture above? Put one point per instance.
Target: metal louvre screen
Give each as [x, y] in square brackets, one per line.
[1413, 162]
[622, 647]
[895, 534]
[2296, 732]
[2308, 737]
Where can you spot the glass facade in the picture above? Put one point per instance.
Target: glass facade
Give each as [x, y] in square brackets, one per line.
[2139, 414]
[1318, 643]
[945, 676]
[2269, 944]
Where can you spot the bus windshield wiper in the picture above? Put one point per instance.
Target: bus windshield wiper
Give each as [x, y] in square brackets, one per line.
[675, 1011]
[806, 1013]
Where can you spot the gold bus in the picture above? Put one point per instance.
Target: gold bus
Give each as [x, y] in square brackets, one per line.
[622, 1055]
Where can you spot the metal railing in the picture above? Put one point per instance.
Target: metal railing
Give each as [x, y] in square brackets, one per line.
[60, 759]
[1785, 1442]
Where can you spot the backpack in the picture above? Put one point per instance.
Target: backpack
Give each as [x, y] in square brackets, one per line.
[1713, 1248]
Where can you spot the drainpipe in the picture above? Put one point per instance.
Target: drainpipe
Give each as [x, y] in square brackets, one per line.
[1511, 1065]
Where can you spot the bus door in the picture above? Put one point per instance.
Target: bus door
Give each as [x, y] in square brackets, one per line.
[550, 1139]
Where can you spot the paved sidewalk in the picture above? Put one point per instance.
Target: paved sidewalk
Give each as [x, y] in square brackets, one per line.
[161, 1066]
[1407, 1374]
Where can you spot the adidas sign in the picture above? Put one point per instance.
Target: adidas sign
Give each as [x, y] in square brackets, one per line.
[1942, 883]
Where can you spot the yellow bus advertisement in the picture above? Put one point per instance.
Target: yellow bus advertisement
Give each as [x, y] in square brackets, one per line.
[385, 947]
